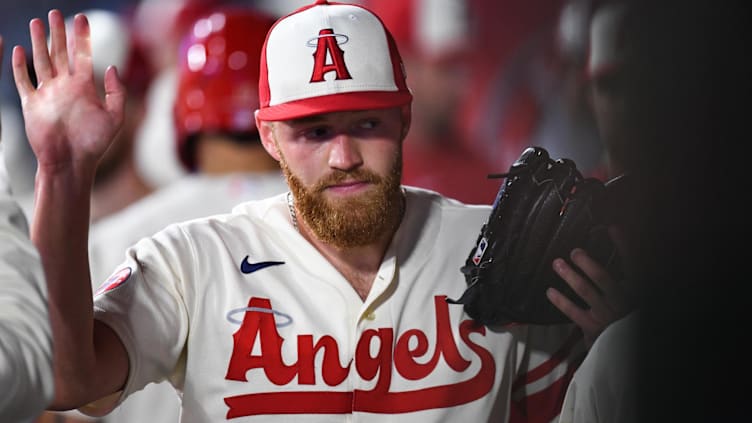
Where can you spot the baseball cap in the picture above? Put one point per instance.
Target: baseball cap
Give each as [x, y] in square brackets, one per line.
[329, 57]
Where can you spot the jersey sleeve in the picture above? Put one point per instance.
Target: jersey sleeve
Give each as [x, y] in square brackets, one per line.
[143, 302]
[25, 333]
[603, 387]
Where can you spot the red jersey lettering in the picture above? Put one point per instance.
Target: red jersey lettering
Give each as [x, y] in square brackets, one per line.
[378, 366]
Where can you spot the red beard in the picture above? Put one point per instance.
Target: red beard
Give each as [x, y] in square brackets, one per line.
[357, 220]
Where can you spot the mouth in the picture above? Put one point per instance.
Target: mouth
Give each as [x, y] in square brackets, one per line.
[348, 187]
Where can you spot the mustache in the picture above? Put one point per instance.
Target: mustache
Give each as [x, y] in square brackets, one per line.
[339, 176]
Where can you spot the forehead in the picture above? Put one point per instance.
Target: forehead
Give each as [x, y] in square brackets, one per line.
[345, 117]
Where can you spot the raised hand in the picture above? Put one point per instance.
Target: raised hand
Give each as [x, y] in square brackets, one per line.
[70, 126]
[67, 121]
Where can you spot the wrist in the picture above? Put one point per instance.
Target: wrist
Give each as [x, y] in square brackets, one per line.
[67, 172]
[67, 180]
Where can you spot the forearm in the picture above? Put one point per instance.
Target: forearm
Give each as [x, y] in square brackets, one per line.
[60, 231]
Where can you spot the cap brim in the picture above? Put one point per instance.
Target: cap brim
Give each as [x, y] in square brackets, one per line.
[363, 100]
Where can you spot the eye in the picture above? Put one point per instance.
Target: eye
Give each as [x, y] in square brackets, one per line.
[369, 123]
[317, 133]
[366, 125]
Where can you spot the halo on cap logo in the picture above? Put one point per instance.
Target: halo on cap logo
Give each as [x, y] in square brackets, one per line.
[339, 38]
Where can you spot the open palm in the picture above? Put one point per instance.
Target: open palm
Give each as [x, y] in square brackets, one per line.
[67, 121]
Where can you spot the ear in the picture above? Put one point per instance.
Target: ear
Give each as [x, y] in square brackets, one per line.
[267, 137]
[406, 119]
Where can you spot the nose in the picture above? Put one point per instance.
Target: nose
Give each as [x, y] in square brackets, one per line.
[344, 153]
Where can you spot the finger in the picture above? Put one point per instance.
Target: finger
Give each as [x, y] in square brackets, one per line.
[114, 95]
[594, 270]
[40, 55]
[21, 74]
[579, 284]
[58, 43]
[613, 294]
[591, 326]
[579, 316]
[600, 309]
[83, 63]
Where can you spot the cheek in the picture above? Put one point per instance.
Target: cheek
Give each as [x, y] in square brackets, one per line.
[306, 163]
[381, 157]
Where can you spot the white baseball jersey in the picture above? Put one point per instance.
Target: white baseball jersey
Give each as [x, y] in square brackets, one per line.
[251, 323]
[26, 379]
[193, 196]
[603, 387]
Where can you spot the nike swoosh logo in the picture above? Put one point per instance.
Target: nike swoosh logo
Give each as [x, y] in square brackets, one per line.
[247, 267]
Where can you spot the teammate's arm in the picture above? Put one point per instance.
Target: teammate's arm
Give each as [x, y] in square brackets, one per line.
[69, 126]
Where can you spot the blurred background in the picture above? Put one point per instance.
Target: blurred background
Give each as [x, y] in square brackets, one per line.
[489, 77]
[141, 38]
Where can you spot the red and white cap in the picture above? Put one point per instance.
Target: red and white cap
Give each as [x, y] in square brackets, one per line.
[608, 46]
[329, 57]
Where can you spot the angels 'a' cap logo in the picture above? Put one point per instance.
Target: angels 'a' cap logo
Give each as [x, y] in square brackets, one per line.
[326, 58]
[327, 45]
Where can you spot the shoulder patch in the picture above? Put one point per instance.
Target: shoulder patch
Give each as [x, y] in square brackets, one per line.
[118, 278]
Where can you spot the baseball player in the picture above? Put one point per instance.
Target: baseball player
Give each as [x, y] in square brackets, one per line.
[323, 303]
[25, 334]
[670, 100]
[603, 388]
[218, 145]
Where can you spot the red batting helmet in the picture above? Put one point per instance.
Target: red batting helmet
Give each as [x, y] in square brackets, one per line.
[218, 73]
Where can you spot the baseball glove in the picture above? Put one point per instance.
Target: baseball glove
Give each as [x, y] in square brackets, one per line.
[543, 210]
